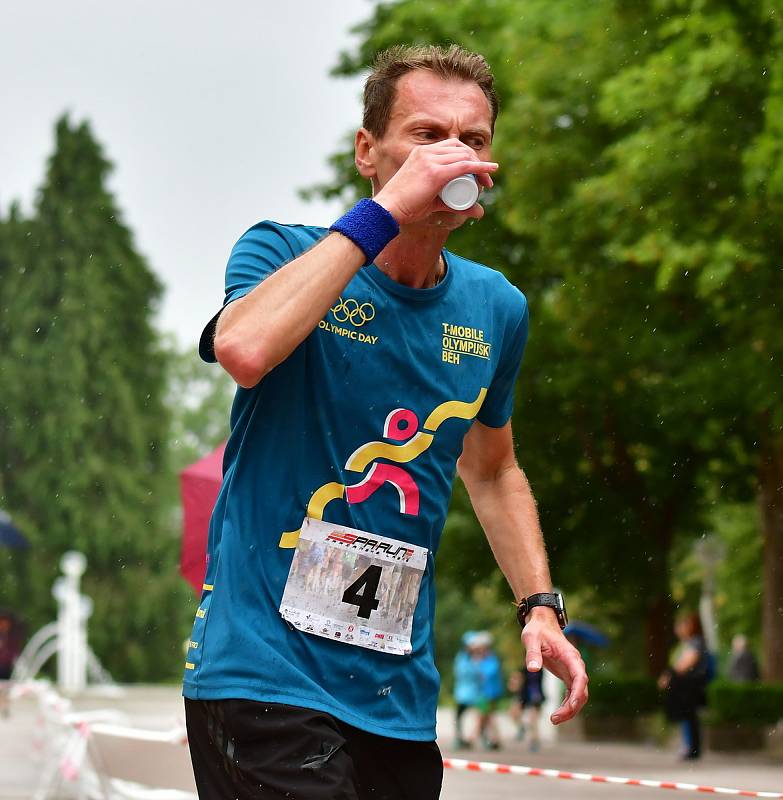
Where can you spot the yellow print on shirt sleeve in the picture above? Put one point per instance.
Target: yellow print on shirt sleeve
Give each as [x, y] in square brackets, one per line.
[418, 443]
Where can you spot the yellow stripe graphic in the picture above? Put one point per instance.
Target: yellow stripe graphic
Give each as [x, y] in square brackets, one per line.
[452, 409]
[400, 454]
[315, 510]
[208, 587]
[188, 665]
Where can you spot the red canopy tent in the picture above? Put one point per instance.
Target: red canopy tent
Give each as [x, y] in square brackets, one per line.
[199, 485]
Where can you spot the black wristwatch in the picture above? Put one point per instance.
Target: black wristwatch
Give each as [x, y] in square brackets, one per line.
[552, 600]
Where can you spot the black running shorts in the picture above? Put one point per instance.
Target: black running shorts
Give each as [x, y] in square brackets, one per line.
[249, 750]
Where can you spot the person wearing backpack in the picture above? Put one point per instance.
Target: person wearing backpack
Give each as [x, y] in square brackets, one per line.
[685, 682]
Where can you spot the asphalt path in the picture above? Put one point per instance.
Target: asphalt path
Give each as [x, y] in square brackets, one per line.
[748, 772]
[22, 756]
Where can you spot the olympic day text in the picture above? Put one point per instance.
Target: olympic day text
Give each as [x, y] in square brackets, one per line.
[352, 312]
[359, 336]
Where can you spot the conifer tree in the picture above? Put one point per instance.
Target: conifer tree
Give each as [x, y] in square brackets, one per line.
[84, 426]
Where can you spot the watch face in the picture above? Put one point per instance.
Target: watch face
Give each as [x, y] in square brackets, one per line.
[561, 606]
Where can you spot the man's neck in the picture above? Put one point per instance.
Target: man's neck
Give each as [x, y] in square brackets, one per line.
[413, 258]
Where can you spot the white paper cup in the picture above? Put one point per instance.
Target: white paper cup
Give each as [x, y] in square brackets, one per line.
[461, 193]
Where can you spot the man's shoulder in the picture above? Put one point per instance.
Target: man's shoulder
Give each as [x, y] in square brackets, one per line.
[297, 236]
[499, 287]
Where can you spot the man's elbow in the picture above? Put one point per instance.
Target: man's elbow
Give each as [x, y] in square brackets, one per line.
[469, 473]
[247, 366]
[476, 473]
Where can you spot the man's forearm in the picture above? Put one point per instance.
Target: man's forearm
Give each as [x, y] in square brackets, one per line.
[254, 334]
[506, 509]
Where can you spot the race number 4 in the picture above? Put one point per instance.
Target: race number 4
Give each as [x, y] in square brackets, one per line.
[362, 592]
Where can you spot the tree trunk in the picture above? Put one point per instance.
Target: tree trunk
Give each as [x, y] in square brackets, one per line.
[770, 501]
[658, 629]
[659, 625]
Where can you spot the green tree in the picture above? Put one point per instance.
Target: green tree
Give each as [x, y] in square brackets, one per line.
[638, 206]
[84, 428]
[737, 546]
[685, 202]
[199, 398]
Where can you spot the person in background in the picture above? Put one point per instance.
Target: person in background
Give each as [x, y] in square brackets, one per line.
[467, 684]
[685, 682]
[743, 667]
[491, 688]
[528, 690]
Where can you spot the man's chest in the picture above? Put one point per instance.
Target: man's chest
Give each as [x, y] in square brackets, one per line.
[367, 339]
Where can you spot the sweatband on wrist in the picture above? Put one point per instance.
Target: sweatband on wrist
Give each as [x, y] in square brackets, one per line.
[369, 226]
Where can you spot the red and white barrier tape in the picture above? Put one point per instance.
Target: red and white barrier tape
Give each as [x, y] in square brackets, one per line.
[508, 769]
[71, 762]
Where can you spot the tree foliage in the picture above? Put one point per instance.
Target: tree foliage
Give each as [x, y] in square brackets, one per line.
[83, 430]
[638, 205]
[199, 397]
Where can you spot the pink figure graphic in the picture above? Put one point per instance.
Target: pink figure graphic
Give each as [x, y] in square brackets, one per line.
[386, 473]
[400, 425]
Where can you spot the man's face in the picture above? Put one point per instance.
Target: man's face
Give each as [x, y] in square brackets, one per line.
[429, 109]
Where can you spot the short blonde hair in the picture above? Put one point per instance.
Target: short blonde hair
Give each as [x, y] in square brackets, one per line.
[453, 62]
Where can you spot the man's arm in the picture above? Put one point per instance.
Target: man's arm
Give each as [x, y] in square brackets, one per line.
[258, 331]
[506, 509]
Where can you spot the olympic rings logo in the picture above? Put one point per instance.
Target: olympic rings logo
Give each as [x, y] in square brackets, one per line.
[352, 311]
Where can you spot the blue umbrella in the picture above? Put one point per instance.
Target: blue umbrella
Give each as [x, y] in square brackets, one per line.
[586, 633]
[10, 535]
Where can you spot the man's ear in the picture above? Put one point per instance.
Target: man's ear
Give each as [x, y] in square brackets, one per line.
[363, 153]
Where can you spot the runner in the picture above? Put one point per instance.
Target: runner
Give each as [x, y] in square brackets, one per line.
[370, 363]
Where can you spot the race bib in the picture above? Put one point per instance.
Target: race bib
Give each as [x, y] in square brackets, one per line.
[354, 587]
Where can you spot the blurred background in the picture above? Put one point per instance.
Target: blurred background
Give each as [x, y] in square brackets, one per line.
[638, 205]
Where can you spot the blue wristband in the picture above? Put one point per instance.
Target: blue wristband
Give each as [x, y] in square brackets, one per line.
[369, 226]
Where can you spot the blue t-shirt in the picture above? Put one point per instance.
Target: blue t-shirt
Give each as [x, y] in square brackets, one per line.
[491, 677]
[440, 358]
[467, 679]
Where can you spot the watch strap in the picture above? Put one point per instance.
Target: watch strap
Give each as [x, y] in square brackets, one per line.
[547, 600]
